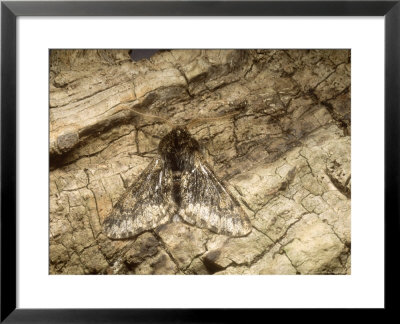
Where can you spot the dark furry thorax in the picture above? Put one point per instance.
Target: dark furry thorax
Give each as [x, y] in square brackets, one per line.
[177, 148]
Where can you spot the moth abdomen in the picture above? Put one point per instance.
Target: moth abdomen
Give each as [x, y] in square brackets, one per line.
[176, 191]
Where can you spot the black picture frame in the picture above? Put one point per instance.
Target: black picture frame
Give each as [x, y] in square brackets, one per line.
[11, 10]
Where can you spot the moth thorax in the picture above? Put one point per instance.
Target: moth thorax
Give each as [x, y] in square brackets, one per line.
[177, 148]
[178, 160]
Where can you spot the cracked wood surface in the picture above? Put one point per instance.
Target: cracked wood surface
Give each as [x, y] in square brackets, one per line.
[285, 156]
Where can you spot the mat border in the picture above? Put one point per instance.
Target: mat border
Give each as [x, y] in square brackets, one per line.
[11, 10]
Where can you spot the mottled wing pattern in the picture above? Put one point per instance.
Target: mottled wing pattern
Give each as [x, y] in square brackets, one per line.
[147, 204]
[206, 203]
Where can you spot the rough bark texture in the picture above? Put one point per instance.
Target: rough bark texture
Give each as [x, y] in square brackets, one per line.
[285, 156]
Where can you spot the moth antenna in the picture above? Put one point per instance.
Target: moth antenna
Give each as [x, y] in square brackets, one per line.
[165, 120]
[207, 119]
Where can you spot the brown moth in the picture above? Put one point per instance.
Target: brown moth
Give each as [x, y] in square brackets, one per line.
[177, 182]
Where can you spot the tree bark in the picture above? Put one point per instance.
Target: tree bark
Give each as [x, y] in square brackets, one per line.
[285, 156]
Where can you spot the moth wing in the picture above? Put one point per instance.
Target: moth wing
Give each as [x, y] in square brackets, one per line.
[206, 203]
[147, 204]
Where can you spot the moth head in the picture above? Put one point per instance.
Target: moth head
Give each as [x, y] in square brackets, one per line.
[180, 132]
[178, 138]
[179, 141]
[178, 144]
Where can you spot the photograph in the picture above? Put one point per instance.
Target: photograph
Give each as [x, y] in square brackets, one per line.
[199, 161]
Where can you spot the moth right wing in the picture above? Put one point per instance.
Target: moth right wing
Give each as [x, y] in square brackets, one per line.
[147, 204]
[208, 204]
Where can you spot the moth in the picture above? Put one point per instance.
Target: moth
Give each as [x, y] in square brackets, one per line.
[177, 183]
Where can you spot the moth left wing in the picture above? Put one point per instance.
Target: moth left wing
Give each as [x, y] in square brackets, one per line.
[147, 204]
[206, 203]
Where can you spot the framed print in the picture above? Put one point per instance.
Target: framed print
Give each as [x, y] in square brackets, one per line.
[155, 155]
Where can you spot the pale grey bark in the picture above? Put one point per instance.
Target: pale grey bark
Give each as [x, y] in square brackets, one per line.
[285, 156]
